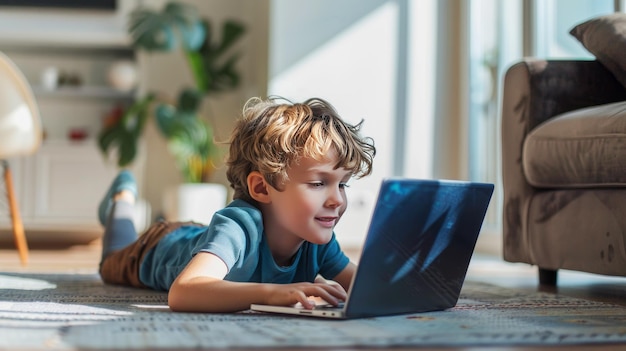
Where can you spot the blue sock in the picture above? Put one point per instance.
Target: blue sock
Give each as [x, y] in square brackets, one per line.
[123, 181]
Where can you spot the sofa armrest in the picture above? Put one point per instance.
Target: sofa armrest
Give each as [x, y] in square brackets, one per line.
[533, 92]
[559, 86]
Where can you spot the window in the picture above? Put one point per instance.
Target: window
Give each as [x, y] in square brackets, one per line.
[555, 18]
[494, 43]
[499, 35]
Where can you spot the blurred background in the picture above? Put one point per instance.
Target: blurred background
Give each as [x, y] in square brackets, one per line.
[424, 75]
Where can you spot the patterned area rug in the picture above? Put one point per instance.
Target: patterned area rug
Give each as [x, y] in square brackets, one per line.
[79, 312]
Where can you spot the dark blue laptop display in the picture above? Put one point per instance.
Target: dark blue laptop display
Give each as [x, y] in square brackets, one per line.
[417, 250]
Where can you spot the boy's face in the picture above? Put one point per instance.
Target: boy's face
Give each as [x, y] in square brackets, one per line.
[310, 203]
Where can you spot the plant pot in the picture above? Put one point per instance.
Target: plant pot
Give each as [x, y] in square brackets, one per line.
[193, 201]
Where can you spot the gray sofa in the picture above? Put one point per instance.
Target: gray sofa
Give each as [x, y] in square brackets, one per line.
[564, 167]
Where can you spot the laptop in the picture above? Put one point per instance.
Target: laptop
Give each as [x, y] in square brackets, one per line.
[418, 247]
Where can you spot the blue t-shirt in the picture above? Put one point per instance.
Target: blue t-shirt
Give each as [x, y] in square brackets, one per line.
[235, 235]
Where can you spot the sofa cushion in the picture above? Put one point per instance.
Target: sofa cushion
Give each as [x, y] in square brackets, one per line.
[581, 148]
[605, 38]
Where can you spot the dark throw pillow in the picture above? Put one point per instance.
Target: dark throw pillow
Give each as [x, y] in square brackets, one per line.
[605, 38]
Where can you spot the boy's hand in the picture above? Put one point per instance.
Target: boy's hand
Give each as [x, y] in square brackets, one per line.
[290, 294]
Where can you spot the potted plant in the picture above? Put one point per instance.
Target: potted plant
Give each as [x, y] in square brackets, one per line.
[212, 64]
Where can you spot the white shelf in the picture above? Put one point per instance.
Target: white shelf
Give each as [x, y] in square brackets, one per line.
[65, 40]
[66, 28]
[85, 91]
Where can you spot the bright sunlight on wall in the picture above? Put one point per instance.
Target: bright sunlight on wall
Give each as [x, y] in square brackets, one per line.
[356, 70]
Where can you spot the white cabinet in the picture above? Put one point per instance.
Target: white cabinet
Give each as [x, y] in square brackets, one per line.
[60, 186]
[67, 189]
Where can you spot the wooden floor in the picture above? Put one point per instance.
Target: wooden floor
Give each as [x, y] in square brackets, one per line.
[85, 258]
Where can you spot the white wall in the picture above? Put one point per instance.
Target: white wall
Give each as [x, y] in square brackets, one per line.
[343, 52]
[350, 52]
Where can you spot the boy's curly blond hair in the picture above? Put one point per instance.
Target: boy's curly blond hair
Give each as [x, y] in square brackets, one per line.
[271, 136]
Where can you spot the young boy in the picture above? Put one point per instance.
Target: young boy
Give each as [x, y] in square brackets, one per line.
[289, 165]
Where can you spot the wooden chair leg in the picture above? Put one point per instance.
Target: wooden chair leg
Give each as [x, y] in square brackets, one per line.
[16, 219]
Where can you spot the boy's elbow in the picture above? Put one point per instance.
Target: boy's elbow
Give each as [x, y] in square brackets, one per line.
[176, 301]
[183, 298]
[174, 305]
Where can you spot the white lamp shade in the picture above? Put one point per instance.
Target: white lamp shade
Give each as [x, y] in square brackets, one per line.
[20, 122]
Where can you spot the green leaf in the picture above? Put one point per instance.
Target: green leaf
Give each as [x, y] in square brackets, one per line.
[226, 75]
[178, 25]
[190, 141]
[196, 65]
[123, 136]
[189, 101]
[231, 32]
[219, 65]
[120, 140]
[106, 137]
[127, 150]
[165, 114]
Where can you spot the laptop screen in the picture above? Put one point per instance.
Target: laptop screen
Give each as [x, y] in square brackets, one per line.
[420, 241]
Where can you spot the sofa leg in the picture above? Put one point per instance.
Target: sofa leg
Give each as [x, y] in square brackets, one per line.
[547, 276]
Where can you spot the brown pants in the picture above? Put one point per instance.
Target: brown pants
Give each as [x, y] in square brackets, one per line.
[122, 267]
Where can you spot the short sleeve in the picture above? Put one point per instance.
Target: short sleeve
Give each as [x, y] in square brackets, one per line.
[332, 259]
[233, 233]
